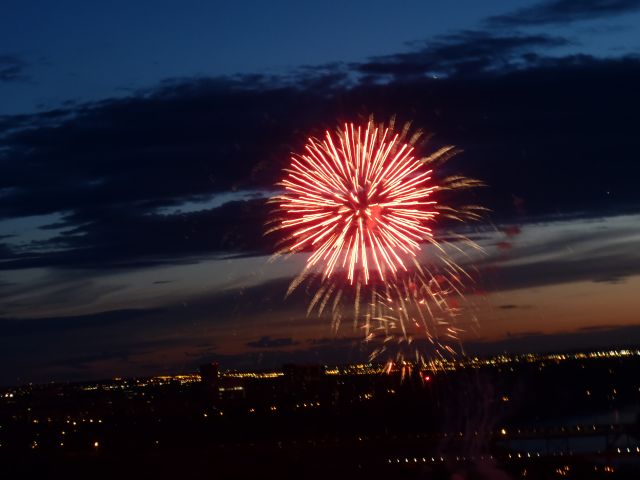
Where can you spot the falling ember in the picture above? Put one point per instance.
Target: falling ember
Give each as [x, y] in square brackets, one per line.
[358, 200]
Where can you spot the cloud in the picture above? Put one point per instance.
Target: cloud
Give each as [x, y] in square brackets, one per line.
[592, 250]
[340, 351]
[581, 339]
[610, 268]
[510, 306]
[268, 342]
[179, 334]
[10, 327]
[547, 254]
[12, 69]
[463, 53]
[592, 328]
[175, 334]
[85, 363]
[113, 237]
[563, 12]
[119, 171]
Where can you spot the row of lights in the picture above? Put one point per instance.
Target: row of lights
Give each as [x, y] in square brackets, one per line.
[561, 453]
[437, 459]
[578, 428]
[519, 455]
[34, 444]
[82, 420]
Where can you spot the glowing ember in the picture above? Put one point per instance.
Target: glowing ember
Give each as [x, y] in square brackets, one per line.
[359, 200]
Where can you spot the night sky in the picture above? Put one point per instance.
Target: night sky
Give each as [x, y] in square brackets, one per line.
[139, 141]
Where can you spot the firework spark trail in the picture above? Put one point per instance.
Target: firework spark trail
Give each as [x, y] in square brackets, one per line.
[361, 203]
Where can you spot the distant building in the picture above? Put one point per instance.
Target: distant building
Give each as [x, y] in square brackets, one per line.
[231, 388]
[304, 382]
[303, 374]
[209, 377]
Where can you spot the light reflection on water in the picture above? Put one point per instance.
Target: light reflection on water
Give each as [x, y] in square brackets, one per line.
[582, 444]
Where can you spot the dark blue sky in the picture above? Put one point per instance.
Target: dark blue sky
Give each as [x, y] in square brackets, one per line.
[75, 51]
[138, 142]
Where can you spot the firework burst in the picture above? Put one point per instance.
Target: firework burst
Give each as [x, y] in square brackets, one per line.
[359, 200]
[361, 203]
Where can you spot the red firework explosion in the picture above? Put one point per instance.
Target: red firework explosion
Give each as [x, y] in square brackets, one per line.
[357, 200]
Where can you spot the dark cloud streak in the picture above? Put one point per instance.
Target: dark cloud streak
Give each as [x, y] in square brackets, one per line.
[463, 53]
[12, 69]
[111, 168]
[268, 342]
[563, 12]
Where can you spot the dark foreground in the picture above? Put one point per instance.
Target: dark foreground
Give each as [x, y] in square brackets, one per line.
[551, 417]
